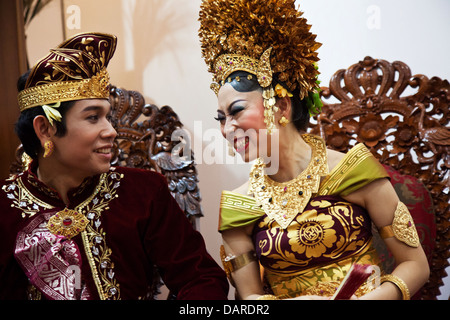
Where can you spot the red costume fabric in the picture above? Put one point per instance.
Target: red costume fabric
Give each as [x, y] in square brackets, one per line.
[133, 226]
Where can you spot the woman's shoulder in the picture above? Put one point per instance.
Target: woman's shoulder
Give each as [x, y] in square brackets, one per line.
[242, 189]
[334, 158]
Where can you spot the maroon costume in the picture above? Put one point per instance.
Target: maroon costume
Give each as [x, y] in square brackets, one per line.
[133, 224]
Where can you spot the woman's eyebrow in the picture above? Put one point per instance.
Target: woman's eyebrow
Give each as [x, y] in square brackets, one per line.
[230, 106]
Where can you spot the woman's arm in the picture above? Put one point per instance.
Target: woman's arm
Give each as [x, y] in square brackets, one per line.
[380, 200]
[247, 279]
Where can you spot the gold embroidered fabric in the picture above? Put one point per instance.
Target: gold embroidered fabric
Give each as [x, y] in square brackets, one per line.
[283, 201]
[322, 280]
[93, 236]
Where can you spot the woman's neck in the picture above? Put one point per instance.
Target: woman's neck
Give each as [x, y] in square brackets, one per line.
[294, 156]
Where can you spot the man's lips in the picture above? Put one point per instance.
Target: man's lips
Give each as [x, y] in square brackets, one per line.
[104, 150]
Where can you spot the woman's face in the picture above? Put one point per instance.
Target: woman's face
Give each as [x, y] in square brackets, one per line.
[86, 147]
[241, 117]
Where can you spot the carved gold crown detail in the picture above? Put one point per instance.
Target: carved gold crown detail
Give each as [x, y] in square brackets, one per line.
[96, 87]
[226, 64]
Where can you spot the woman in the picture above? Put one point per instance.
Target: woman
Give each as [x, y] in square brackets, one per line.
[73, 227]
[310, 221]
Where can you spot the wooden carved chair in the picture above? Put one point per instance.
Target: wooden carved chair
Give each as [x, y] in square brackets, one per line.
[145, 139]
[409, 134]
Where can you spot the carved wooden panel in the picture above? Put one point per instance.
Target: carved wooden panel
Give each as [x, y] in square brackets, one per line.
[404, 121]
[146, 140]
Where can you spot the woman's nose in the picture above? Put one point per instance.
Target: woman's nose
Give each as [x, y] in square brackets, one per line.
[229, 127]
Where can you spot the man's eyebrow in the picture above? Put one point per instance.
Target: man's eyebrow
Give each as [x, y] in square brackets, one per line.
[95, 108]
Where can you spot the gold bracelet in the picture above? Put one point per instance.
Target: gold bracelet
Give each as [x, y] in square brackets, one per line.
[267, 297]
[401, 285]
[232, 263]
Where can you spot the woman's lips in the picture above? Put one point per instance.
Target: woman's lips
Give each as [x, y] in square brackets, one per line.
[241, 144]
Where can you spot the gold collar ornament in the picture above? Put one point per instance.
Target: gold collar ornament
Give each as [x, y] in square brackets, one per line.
[282, 201]
[67, 223]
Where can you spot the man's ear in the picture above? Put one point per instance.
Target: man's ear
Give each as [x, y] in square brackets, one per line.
[43, 129]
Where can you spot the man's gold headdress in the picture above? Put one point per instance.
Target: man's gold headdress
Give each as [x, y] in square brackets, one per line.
[74, 70]
[264, 38]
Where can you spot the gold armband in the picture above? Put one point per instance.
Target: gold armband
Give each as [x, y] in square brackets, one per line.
[232, 263]
[399, 283]
[402, 228]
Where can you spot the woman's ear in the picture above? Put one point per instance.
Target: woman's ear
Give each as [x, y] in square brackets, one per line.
[284, 104]
[43, 129]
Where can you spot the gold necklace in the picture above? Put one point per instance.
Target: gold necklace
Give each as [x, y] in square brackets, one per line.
[282, 201]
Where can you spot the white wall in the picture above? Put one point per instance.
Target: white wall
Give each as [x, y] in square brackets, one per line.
[159, 54]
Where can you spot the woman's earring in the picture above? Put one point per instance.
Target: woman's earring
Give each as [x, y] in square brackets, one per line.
[49, 146]
[283, 121]
[231, 149]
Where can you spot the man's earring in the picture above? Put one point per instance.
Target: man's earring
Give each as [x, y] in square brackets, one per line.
[283, 121]
[49, 146]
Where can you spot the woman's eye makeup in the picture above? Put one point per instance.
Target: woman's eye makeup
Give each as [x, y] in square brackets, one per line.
[220, 117]
[232, 111]
[236, 109]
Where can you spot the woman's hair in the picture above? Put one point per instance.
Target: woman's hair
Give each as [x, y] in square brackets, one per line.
[300, 112]
[24, 126]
